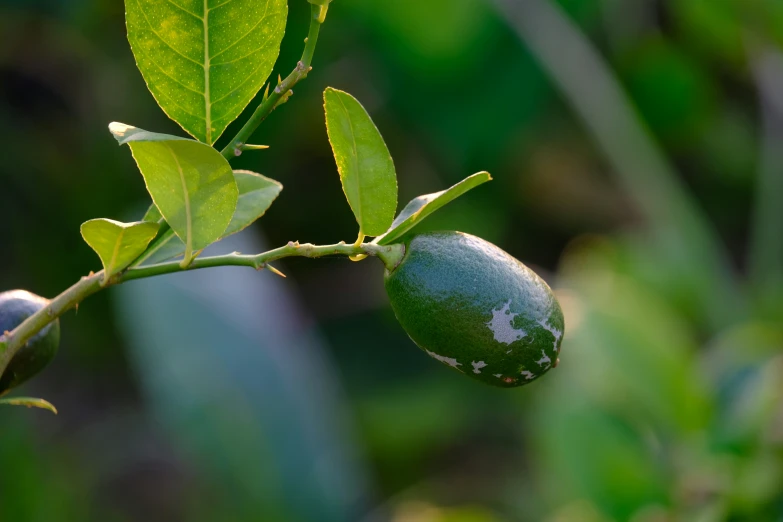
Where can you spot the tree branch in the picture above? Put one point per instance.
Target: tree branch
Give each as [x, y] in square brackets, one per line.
[11, 342]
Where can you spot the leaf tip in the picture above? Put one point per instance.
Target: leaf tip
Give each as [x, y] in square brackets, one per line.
[120, 131]
[30, 402]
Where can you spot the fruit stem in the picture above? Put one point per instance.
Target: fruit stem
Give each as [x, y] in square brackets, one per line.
[392, 257]
[11, 342]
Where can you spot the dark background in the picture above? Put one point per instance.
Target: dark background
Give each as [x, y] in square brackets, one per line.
[636, 152]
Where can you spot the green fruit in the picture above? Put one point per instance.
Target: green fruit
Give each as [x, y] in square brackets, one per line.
[472, 306]
[15, 307]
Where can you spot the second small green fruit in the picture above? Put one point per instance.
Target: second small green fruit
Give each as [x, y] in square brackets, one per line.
[15, 307]
[474, 307]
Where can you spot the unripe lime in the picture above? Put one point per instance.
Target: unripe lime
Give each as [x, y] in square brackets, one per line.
[472, 306]
[15, 307]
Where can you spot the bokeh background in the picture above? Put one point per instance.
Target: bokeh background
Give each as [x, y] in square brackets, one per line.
[637, 152]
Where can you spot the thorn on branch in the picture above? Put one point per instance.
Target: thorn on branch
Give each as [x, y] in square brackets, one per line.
[246, 146]
[276, 271]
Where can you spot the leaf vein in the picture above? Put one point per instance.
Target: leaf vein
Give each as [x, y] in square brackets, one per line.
[264, 17]
[167, 44]
[185, 10]
[153, 62]
[186, 194]
[186, 111]
[219, 5]
[356, 163]
[115, 253]
[207, 59]
[235, 89]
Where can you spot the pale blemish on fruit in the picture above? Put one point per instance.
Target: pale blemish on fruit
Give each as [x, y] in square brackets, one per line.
[551, 329]
[544, 359]
[498, 375]
[527, 375]
[446, 360]
[502, 325]
[477, 366]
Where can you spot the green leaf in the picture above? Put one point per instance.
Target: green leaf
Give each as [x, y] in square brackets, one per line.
[30, 402]
[256, 195]
[117, 244]
[125, 134]
[366, 167]
[417, 210]
[205, 60]
[192, 184]
[152, 215]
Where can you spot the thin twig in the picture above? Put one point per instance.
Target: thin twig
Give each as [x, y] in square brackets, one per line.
[11, 343]
[282, 92]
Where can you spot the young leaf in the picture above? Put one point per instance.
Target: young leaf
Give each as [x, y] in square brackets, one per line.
[366, 167]
[117, 244]
[205, 60]
[192, 184]
[417, 210]
[256, 195]
[30, 402]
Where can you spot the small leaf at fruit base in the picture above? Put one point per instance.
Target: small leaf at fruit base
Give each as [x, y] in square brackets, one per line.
[29, 402]
[256, 195]
[366, 168]
[117, 244]
[204, 61]
[417, 210]
[191, 184]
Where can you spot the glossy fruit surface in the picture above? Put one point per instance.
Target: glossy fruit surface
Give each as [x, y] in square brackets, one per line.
[472, 306]
[15, 307]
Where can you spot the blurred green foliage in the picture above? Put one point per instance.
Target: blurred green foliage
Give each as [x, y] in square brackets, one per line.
[656, 412]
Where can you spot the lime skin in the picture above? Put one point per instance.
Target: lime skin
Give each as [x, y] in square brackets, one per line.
[15, 307]
[477, 309]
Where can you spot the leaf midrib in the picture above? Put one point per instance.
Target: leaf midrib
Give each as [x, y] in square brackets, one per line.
[112, 263]
[356, 164]
[188, 216]
[207, 101]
